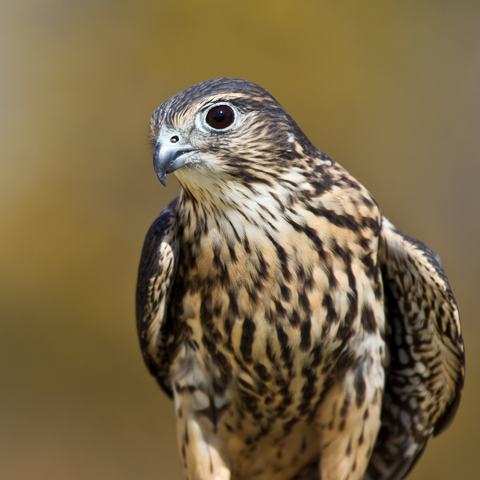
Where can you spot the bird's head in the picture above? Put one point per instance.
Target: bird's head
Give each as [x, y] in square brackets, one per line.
[225, 130]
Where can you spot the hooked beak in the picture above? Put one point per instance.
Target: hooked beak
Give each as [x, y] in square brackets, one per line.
[168, 157]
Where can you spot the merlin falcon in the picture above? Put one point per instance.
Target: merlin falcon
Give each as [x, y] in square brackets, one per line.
[299, 333]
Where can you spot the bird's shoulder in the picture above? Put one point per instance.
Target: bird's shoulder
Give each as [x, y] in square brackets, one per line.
[333, 186]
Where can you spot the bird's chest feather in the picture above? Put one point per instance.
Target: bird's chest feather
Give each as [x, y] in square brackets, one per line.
[259, 302]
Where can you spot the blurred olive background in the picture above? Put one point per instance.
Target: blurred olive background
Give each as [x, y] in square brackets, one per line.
[390, 90]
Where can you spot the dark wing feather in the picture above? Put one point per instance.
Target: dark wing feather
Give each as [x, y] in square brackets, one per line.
[156, 275]
[425, 378]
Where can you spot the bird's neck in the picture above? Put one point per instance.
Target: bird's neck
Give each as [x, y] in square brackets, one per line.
[233, 235]
[253, 202]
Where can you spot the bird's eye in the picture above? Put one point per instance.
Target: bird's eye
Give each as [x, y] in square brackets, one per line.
[220, 117]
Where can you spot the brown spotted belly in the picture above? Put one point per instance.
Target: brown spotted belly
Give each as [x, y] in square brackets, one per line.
[256, 436]
[276, 455]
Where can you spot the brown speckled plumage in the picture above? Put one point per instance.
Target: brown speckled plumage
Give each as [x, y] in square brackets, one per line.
[299, 333]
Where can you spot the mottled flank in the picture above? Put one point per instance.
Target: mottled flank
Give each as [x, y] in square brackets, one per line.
[301, 336]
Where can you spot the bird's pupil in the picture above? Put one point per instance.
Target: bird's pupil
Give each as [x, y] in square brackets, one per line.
[220, 117]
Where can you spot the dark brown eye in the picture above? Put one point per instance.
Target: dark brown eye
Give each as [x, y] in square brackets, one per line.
[220, 116]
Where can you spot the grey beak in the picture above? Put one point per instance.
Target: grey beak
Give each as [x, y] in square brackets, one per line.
[167, 157]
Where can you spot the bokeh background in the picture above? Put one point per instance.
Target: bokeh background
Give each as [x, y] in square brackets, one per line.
[390, 90]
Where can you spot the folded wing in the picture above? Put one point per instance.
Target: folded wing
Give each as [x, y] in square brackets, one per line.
[426, 372]
[156, 275]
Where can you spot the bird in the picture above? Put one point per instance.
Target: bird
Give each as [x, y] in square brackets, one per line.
[299, 333]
